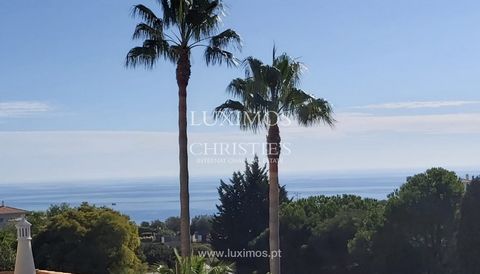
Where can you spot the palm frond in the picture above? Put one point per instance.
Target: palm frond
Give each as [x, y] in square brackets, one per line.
[272, 77]
[255, 73]
[230, 107]
[209, 8]
[141, 56]
[215, 6]
[290, 69]
[307, 109]
[222, 268]
[169, 8]
[143, 30]
[237, 87]
[147, 15]
[196, 265]
[237, 112]
[204, 18]
[205, 26]
[149, 53]
[215, 55]
[269, 91]
[243, 89]
[253, 67]
[225, 39]
[258, 103]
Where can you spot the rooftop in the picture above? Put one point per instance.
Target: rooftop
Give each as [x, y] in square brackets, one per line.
[10, 210]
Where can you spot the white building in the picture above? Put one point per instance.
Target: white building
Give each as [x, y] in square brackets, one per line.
[10, 213]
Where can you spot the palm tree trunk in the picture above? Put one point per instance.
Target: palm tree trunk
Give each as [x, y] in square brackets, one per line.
[183, 76]
[273, 149]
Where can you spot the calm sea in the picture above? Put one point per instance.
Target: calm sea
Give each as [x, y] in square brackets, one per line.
[145, 200]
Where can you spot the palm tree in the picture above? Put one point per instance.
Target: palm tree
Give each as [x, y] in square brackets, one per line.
[185, 25]
[266, 95]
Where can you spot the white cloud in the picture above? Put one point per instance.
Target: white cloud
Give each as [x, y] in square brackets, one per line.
[418, 105]
[13, 109]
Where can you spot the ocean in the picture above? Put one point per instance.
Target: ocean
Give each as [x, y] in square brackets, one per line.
[146, 200]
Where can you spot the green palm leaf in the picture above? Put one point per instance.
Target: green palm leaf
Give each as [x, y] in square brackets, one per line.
[268, 89]
[147, 15]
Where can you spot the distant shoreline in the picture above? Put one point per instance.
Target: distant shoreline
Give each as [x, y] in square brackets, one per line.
[150, 199]
[323, 175]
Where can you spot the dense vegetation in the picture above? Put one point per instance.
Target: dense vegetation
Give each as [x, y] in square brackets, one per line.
[318, 231]
[429, 225]
[420, 224]
[424, 227]
[469, 229]
[8, 244]
[88, 239]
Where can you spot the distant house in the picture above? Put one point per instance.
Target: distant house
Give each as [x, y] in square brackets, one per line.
[148, 237]
[9, 213]
[197, 237]
[466, 181]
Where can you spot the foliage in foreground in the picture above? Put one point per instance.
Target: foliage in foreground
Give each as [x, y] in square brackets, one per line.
[196, 265]
[8, 247]
[89, 239]
[157, 253]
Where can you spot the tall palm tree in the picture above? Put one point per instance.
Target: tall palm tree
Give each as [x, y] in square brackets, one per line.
[267, 94]
[185, 25]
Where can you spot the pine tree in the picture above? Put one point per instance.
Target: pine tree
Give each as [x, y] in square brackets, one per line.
[243, 211]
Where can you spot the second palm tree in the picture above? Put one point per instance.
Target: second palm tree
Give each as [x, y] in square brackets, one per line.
[267, 94]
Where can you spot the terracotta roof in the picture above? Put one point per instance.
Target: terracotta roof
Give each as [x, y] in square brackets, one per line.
[11, 210]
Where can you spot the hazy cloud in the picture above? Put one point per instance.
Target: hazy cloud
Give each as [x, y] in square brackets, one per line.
[51, 156]
[14, 109]
[356, 142]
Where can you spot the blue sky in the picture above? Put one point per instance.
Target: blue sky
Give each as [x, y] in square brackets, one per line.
[402, 76]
